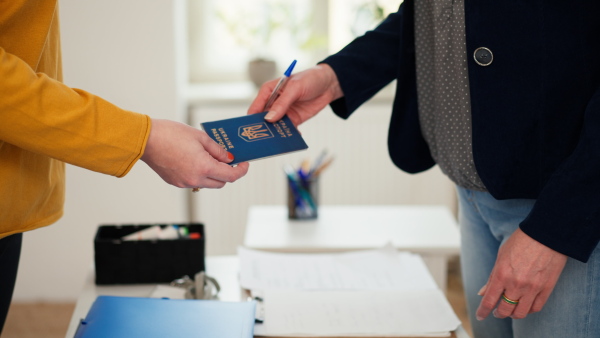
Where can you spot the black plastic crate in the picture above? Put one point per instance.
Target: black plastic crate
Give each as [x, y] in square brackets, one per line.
[146, 261]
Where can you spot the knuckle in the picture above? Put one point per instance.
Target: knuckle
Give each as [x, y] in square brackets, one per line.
[235, 177]
[203, 135]
[524, 281]
[536, 308]
[187, 185]
[201, 172]
[241, 173]
[518, 315]
[503, 312]
[503, 276]
[488, 304]
[538, 285]
[521, 283]
[180, 184]
[193, 181]
[215, 185]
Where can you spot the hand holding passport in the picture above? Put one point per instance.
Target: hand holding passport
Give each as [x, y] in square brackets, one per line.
[250, 137]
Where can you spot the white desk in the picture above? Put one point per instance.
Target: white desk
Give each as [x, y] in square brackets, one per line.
[224, 268]
[430, 231]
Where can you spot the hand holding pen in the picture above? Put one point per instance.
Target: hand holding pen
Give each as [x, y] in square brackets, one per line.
[306, 93]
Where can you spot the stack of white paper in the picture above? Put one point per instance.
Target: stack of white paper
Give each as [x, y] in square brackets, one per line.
[366, 293]
[372, 269]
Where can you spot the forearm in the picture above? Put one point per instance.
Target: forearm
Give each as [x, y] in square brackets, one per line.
[43, 115]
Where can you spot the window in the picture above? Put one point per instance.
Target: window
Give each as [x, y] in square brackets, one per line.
[225, 35]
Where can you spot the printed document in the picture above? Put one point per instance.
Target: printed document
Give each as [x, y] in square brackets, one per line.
[384, 268]
[367, 293]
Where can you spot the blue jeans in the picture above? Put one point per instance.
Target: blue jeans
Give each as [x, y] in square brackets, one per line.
[573, 309]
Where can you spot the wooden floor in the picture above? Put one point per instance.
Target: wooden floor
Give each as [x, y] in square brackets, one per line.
[50, 320]
[456, 294]
[35, 320]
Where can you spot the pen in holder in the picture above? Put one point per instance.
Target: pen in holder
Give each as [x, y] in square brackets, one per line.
[302, 195]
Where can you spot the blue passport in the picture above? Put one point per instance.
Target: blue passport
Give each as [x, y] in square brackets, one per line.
[250, 137]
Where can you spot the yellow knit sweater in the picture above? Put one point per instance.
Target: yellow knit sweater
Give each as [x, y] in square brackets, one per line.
[44, 123]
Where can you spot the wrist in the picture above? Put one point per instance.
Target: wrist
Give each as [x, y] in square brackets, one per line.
[150, 142]
[333, 84]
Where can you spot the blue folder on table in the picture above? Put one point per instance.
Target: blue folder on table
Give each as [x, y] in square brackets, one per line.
[116, 317]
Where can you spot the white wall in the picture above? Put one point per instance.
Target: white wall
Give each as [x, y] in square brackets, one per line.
[122, 51]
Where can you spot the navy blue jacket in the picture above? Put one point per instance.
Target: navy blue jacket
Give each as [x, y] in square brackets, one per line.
[535, 108]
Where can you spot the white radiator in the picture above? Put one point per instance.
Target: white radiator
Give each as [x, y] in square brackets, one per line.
[362, 173]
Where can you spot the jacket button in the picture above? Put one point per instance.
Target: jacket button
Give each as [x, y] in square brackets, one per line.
[483, 56]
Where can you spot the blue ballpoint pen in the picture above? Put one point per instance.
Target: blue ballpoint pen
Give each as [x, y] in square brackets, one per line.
[279, 86]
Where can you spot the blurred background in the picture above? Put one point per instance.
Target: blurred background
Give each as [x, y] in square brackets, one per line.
[202, 60]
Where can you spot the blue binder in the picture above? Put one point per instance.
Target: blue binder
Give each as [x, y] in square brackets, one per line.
[116, 317]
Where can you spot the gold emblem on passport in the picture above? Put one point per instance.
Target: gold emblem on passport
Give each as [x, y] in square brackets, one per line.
[255, 132]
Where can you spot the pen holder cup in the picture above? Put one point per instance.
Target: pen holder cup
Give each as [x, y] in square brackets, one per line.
[303, 199]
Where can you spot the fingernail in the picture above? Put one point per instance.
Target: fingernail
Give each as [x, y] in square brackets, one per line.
[230, 156]
[480, 293]
[270, 115]
[495, 314]
[479, 318]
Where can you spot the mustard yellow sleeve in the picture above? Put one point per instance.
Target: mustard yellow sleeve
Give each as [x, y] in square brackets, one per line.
[45, 116]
